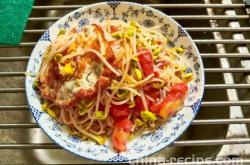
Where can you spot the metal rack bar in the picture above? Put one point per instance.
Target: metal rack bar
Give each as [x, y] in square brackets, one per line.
[207, 86]
[13, 107]
[208, 70]
[189, 29]
[12, 90]
[177, 17]
[160, 5]
[208, 41]
[203, 104]
[174, 144]
[18, 58]
[194, 122]
[204, 55]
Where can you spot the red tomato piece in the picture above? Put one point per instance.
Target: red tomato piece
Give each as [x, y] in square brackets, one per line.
[172, 102]
[155, 108]
[121, 134]
[158, 42]
[179, 87]
[146, 62]
[119, 111]
[157, 74]
[119, 139]
[124, 124]
[138, 104]
[101, 107]
[113, 28]
[154, 93]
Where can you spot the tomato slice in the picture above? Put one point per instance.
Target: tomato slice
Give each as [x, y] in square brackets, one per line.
[119, 139]
[154, 93]
[179, 88]
[113, 28]
[124, 124]
[170, 108]
[121, 134]
[138, 104]
[172, 102]
[119, 111]
[156, 108]
[146, 61]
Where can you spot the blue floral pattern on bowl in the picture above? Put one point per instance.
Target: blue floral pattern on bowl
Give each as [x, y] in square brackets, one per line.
[146, 144]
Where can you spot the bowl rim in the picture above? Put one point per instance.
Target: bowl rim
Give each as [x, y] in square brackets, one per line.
[202, 83]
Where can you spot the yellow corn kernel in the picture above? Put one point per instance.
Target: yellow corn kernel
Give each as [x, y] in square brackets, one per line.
[158, 85]
[187, 76]
[183, 69]
[67, 69]
[139, 123]
[138, 74]
[100, 140]
[178, 50]
[45, 105]
[156, 51]
[51, 112]
[148, 116]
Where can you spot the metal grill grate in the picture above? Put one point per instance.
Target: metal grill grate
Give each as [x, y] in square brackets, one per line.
[22, 141]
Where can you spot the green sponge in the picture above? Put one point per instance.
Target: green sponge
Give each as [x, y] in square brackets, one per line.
[13, 18]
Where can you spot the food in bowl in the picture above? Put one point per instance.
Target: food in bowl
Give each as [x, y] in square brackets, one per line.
[112, 80]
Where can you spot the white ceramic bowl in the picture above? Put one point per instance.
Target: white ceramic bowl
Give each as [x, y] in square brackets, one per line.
[146, 144]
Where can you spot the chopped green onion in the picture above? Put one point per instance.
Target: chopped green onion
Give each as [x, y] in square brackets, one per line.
[45, 105]
[133, 23]
[138, 122]
[130, 33]
[118, 35]
[100, 115]
[148, 116]
[61, 32]
[83, 111]
[36, 83]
